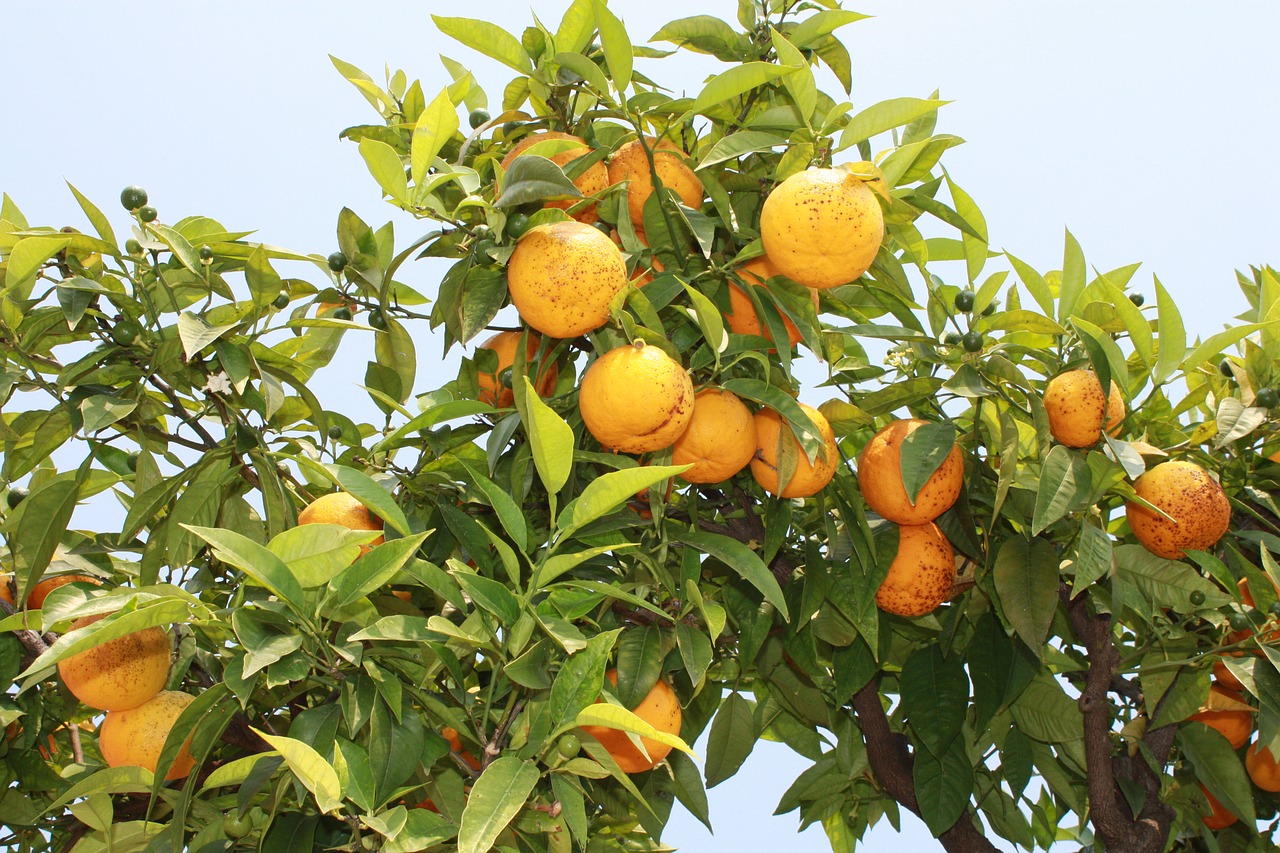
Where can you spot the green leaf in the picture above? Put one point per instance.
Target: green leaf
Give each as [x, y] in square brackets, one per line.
[580, 680]
[609, 491]
[688, 787]
[1064, 486]
[883, 116]
[1165, 583]
[1094, 557]
[531, 178]
[1218, 768]
[735, 82]
[815, 28]
[775, 398]
[36, 528]
[1073, 278]
[317, 553]
[385, 166]
[1045, 712]
[196, 334]
[491, 595]
[923, 451]
[576, 27]
[375, 569]
[367, 491]
[741, 559]
[26, 257]
[705, 34]
[733, 736]
[735, 145]
[586, 69]
[489, 39]
[436, 125]
[310, 768]
[1172, 337]
[1215, 344]
[557, 565]
[639, 664]
[96, 217]
[257, 562]
[1034, 283]
[509, 513]
[1026, 579]
[151, 613]
[616, 44]
[550, 438]
[935, 697]
[497, 796]
[943, 784]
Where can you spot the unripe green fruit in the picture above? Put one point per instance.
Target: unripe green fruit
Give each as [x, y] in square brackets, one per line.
[477, 118]
[1224, 367]
[517, 224]
[1267, 398]
[335, 432]
[342, 313]
[133, 198]
[17, 494]
[281, 302]
[964, 301]
[132, 246]
[1137, 299]
[337, 262]
[973, 341]
[206, 254]
[1197, 597]
[377, 319]
[568, 746]
[236, 826]
[148, 214]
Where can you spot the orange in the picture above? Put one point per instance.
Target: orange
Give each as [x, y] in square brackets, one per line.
[629, 163]
[562, 277]
[344, 509]
[35, 600]
[1191, 497]
[1220, 816]
[880, 478]
[492, 389]
[808, 478]
[720, 439]
[455, 743]
[742, 317]
[822, 227]
[1076, 408]
[592, 182]
[1223, 713]
[1262, 768]
[6, 589]
[121, 673]
[134, 737]
[660, 709]
[636, 399]
[1225, 677]
[921, 574]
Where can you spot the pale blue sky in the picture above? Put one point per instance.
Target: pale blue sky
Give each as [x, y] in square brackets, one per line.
[1147, 127]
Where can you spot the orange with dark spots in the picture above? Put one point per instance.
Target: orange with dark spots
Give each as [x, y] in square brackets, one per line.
[1077, 408]
[562, 277]
[1199, 508]
[772, 436]
[492, 389]
[720, 439]
[630, 164]
[636, 399]
[921, 574]
[742, 317]
[135, 736]
[880, 478]
[590, 183]
[121, 673]
[822, 227]
[660, 709]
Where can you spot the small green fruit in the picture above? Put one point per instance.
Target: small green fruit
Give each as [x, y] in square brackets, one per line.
[1267, 398]
[477, 118]
[133, 198]
[1137, 299]
[132, 246]
[1197, 597]
[125, 332]
[17, 494]
[337, 262]
[568, 746]
[335, 432]
[236, 826]
[973, 341]
[964, 301]
[951, 339]
[517, 224]
[281, 302]
[484, 250]
[343, 313]
[1239, 621]
[206, 254]
[148, 213]
[377, 319]
[1224, 367]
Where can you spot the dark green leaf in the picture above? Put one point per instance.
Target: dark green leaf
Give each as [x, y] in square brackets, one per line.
[935, 697]
[497, 796]
[1026, 578]
[733, 736]
[923, 451]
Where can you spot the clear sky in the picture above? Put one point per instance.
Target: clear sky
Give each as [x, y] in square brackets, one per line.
[1147, 128]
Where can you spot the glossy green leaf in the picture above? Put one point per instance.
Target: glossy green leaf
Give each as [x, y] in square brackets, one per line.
[741, 559]
[737, 81]
[935, 697]
[617, 717]
[436, 125]
[496, 797]
[1073, 278]
[310, 768]
[1064, 486]
[1172, 337]
[923, 451]
[609, 491]
[943, 785]
[1026, 578]
[815, 28]
[374, 569]
[1218, 768]
[490, 39]
[883, 116]
[550, 438]
[385, 166]
[732, 738]
[616, 45]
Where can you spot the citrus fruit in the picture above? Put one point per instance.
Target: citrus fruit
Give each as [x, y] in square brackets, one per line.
[921, 574]
[1262, 768]
[660, 709]
[808, 478]
[964, 301]
[134, 737]
[1137, 299]
[121, 673]
[492, 390]
[133, 198]
[629, 163]
[742, 317]
[148, 213]
[822, 227]
[6, 589]
[880, 478]
[455, 743]
[720, 439]
[636, 398]
[1226, 713]
[1077, 409]
[1267, 398]
[1187, 493]
[35, 600]
[1220, 817]
[16, 495]
[973, 341]
[590, 183]
[562, 277]
[477, 118]
[337, 261]
[344, 509]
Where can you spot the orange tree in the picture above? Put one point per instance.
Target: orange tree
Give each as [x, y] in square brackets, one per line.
[1012, 661]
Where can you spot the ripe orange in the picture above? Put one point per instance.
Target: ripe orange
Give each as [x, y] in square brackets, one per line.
[1189, 495]
[121, 673]
[590, 183]
[344, 509]
[808, 478]
[1262, 767]
[455, 743]
[660, 709]
[6, 589]
[921, 574]
[134, 737]
[562, 277]
[1225, 677]
[720, 439]
[35, 600]
[1220, 817]
[822, 227]
[1076, 408]
[880, 478]
[492, 389]
[629, 163]
[742, 317]
[636, 398]
[1223, 713]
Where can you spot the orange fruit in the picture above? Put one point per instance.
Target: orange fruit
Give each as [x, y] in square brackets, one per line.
[660, 709]
[629, 163]
[1225, 677]
[592, 182]
[562, 277]
[1262, 768]
[742, 317]
[1191, 497]
[880, 478]
[921, 574]
[822, 227]
[455, 743]
[1220, 817]
[492, 390]
[6, 589]
[1077, 410]
[344, 509]
[135, 736]
[720, 439]
[1223, 714]
[636, 399]
[808, 478]
[121, 673]
[35, 600]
